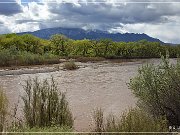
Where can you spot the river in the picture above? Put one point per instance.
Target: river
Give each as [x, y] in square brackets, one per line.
[100, 84]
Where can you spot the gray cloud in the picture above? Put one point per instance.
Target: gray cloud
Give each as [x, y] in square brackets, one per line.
[150, 18]
[4, 29]
[27, 21]
[109, 13]
[9, 7]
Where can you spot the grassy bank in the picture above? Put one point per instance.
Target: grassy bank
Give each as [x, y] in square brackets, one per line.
[10, 58]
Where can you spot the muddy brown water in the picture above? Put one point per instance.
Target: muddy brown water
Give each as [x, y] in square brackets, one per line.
[102, 84]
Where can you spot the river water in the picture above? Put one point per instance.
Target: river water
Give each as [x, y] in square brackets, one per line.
[101, 84]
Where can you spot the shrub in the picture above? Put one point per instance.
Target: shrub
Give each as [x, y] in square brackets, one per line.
[27, 58]
[134, 120]
[43, 106]
[5, 57]
[70, 65]
[10, 57]
[158, 90]
[50, 58]
[3, 109]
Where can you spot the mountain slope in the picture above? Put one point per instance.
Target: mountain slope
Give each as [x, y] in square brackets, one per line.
[76, 33]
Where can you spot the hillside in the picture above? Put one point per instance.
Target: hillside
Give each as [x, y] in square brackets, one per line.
[76, 33]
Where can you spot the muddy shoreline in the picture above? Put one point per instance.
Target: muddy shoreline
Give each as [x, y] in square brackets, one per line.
[33, 69]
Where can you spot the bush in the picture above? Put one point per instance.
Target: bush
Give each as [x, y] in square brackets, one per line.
[3, 109]
[134, 120]
[5, 57]
[70, 65]
[10, 57]
[158, 90]
[44, 107]
[26, 58]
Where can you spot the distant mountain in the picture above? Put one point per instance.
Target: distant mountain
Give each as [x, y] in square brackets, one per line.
[77, 33]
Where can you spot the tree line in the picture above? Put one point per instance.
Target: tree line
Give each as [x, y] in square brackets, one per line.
[60, 45]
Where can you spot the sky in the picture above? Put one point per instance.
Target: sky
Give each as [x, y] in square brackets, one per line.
[156, 18]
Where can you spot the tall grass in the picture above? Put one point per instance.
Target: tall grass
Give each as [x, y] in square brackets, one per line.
[3, 109]
[18, 58]
[99, 120]
[133, 120]
[44, 105]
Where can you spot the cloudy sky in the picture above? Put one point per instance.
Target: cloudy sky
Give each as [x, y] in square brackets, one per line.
[157, 18]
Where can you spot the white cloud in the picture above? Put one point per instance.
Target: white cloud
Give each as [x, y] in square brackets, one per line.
[168, 32]
[157, 20]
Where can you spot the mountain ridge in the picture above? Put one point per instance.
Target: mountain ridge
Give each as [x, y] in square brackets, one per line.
[78, 34]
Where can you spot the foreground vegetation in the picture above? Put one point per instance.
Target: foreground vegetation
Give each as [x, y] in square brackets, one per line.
[45, 109]
[133, 120]
[156, 88]
[29, 50]
[44, 105]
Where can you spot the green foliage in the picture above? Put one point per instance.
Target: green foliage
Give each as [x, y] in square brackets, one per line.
[134, 120]
[33, 44]
[60, 45]
[44, 105]
[5, 57]
[11, 57]
[29, 58]
[3, 109]
[158, 89]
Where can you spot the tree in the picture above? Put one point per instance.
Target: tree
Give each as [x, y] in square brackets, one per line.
[32, 43]
[59, 41]
[106, 43]
[81, 48]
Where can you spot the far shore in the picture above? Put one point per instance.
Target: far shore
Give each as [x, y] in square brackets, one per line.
[47, 68]
[78, 59]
